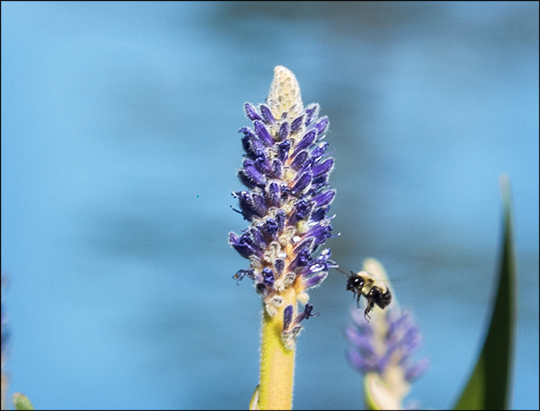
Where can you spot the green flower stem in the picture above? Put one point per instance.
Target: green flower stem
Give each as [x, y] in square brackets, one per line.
[277, 362]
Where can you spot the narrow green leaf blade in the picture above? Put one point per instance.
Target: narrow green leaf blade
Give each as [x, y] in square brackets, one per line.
[489, 385]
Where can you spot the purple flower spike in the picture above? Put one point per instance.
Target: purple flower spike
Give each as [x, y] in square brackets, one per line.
[286, 202]
[386, 345]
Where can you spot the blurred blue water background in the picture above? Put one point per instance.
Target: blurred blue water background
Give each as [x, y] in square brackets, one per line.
[119, 152]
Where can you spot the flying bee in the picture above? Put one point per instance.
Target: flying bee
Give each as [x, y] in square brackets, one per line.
[374, 291]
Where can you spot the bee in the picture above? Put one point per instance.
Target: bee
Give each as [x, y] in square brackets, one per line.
[374, 291]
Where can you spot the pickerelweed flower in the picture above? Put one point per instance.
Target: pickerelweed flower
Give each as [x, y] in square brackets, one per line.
[286, 172]
[382, 350]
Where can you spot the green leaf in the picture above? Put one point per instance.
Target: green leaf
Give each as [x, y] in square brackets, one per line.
[489, 385]
[254, 402]
[21, 402]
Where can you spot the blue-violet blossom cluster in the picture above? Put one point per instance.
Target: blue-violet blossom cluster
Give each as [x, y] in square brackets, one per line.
[383, 348]
[286, 172]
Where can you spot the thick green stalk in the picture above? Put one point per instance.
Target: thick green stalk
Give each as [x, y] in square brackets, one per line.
[277, 362]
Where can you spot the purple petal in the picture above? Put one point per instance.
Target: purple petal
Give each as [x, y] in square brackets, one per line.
[253, 174]
[240, 245]
[382, 363]
[324, 260]
[302, 183]
[307, 166]
[319, 214]
[319, 151]
[297, 122]
[417, 370]
[314, 280]
[319, 181]
[246, 180]
[320, 233]
[306, 141]
[267, 114]
[280, 218]
[270, 227]
[321, 125]
[268, 277]
[311, 112]
[301, 259]
[308, 310]
[301, 210]
[283, 150]
[277, 168]
[263, 133]
[251, 112]
[360, 341]
[306, 243]
[324, 198]
[249, 207]
[251, 142]
[272, 194]
[323, 168]
[413, 339]
[299, 160]
[306, 314]
[284, 131]
[259, 204]
[247, 132]
[287, 317]
[360, 363]
[248, 141]
[262, 163]
[243, 273]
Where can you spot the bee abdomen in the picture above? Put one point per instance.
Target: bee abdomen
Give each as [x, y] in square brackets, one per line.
[384, 299]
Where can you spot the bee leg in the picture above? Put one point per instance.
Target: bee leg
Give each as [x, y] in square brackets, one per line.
[369, 307]
[358, 300]
[366, 313]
